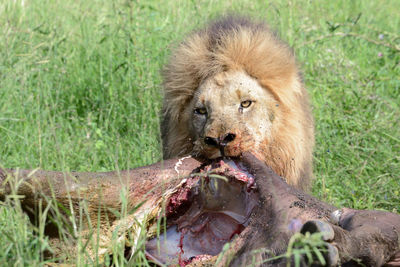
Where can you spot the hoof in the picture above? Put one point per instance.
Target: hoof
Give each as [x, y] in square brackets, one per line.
[316, 226]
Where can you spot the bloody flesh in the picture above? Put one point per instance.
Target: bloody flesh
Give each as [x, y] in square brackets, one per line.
[210, 208]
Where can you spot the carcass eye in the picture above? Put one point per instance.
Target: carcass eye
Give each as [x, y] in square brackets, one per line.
[246, 104]
[200, 111]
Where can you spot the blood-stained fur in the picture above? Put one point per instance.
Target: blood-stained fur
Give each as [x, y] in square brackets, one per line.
[233, 87]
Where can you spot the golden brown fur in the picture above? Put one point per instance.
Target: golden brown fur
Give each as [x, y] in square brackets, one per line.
[237, 49]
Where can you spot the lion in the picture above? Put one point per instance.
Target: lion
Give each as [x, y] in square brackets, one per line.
[235, 87]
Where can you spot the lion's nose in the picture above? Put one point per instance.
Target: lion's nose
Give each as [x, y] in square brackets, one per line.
[227, 139]
[221, 141]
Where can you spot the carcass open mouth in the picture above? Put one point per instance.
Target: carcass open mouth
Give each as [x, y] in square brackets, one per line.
[211, 207]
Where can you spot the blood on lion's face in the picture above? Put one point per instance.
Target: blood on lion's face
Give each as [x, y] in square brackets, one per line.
[230, 113]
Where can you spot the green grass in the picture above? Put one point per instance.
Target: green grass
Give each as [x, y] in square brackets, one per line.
[80, 90]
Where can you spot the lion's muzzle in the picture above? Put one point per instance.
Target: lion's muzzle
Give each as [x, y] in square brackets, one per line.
[220, 142]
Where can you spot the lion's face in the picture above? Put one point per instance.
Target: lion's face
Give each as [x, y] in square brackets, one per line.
[230, 113]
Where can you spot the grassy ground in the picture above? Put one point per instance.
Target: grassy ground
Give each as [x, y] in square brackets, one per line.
[80, 90]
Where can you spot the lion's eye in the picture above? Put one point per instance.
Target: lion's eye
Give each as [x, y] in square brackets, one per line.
[246, 104]
[200, 111]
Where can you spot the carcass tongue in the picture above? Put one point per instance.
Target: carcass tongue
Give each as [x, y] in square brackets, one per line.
[219, 209]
